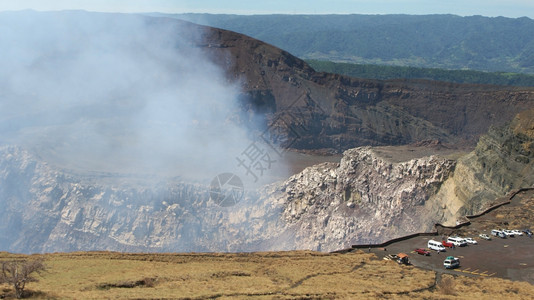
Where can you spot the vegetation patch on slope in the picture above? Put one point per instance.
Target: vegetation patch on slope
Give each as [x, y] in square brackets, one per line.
[397, 72]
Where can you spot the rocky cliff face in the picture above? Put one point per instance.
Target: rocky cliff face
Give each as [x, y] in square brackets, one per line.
[368, 197]
[45, 209]
[502, 161]
[365, 198]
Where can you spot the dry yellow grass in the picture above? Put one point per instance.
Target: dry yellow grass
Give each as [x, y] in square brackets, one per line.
[279, 275]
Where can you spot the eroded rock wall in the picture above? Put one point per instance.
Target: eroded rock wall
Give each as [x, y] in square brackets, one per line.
[502, 161]
[45, 209]
[325, 207]
[365, 198]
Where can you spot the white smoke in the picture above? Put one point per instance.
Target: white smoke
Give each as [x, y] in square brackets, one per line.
[120, 93]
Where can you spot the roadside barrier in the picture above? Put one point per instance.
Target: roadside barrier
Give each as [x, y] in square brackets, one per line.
[439, 228]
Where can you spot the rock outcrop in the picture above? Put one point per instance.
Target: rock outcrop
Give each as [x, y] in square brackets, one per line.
[502, 161]
[364, 199]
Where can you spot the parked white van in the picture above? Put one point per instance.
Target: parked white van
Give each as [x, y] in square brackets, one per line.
[435, 245]
[457, 241]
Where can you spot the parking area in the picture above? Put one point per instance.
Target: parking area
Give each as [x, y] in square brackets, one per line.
[511, 258]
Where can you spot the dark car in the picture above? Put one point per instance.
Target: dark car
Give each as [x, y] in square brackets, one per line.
[422, 251]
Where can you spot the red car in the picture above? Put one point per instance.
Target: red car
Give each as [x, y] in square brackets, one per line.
[447, 244]
[422, 251]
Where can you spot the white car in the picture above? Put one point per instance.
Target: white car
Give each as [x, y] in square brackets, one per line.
[471, 241]
[517, 232]
[498, 233]
[508, 233]
[484, 236]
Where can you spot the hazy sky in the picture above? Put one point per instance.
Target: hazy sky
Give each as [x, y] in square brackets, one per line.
[507, 8]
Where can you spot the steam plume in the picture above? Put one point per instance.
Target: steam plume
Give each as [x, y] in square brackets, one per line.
[92, 93]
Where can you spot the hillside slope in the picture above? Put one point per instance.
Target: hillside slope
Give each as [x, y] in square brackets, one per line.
[312, 110]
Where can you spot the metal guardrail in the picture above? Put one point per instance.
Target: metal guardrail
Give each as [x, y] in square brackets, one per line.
[510, 196]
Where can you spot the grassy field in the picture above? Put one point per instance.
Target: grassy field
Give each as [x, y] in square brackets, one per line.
[270, 275]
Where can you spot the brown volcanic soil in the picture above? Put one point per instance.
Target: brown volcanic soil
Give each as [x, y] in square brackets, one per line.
[511, 258]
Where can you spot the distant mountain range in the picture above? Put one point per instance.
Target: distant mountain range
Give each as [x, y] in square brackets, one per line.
[429, 41]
